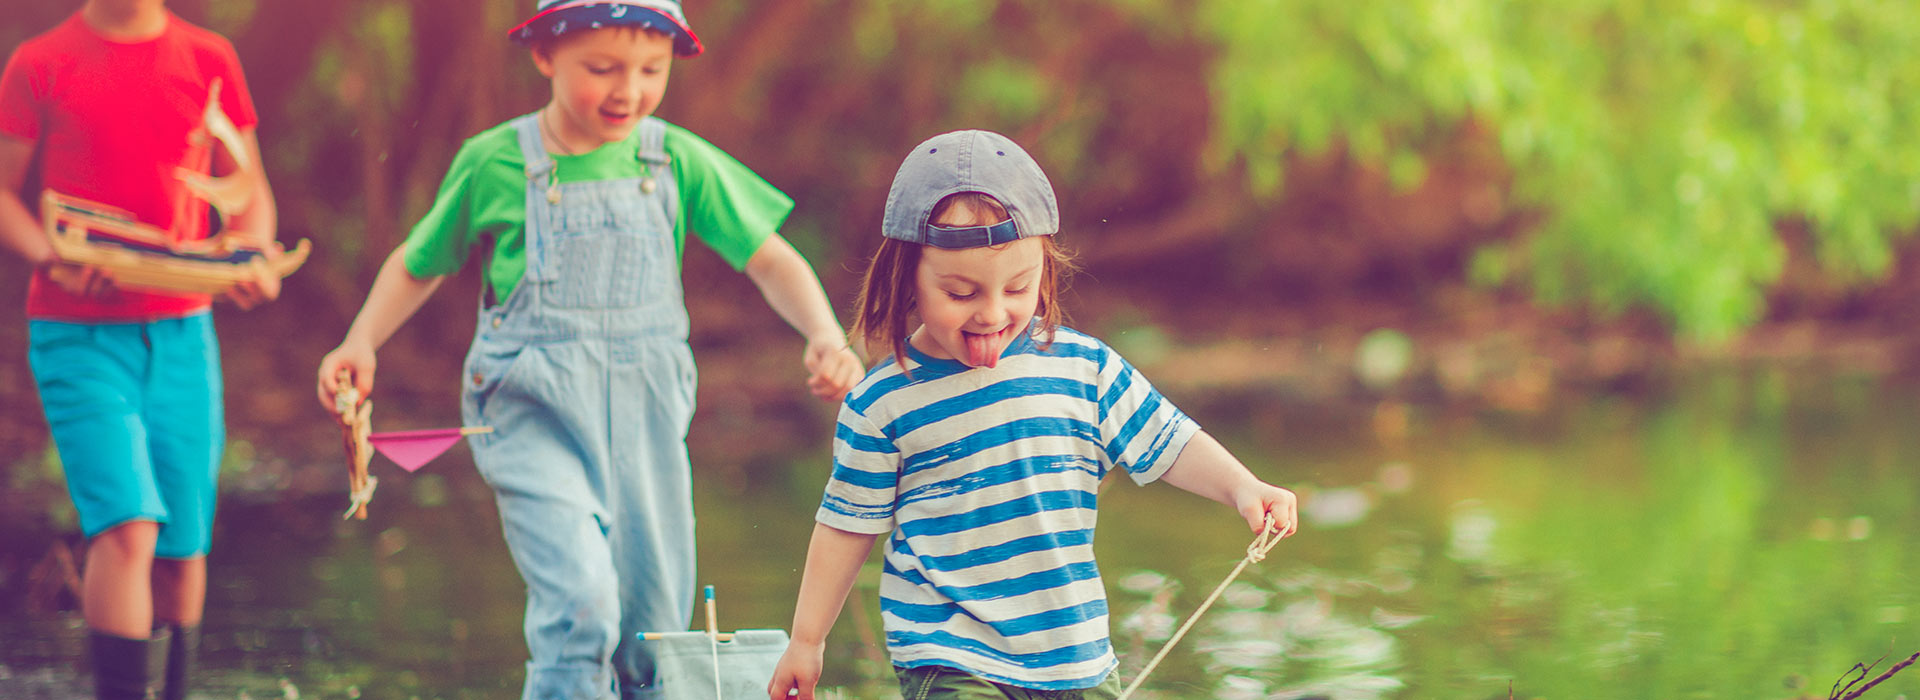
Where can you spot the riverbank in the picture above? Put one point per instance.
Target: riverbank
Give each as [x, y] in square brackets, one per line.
[1444, 343]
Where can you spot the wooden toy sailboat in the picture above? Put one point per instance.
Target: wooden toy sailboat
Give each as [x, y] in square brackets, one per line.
[410, 449]
[86, 232]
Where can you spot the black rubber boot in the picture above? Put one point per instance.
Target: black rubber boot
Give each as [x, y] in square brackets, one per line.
[125, 669]
[180, 655]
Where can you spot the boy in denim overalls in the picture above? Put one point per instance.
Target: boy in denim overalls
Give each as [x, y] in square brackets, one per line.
[582, 368]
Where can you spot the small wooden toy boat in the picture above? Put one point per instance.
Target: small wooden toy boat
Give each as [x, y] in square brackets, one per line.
[85, 232]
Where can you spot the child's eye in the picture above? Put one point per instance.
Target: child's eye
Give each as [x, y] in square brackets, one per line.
[956, 296]
[652, 70]
[1020, 291]
[599, 70]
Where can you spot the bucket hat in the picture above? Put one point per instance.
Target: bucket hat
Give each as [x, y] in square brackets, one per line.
[553, 18]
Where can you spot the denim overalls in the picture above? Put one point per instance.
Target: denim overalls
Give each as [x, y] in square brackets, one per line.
[585, 375]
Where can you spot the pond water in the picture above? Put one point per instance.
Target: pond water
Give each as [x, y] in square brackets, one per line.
[1743, 533]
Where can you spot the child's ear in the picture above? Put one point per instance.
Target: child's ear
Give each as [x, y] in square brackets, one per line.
[543, 60]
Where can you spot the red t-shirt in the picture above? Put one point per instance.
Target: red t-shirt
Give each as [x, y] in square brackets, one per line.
[112, 121]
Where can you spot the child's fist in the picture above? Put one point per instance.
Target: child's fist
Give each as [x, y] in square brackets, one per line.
[832, 368]
[1268, 501]
[349, 366]
[797, 673]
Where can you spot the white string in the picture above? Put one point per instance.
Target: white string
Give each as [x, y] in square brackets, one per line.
[714, 639]
[361, 496]
[1269, 536]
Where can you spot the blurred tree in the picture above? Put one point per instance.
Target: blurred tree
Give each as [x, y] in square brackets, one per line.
[1664, 141]
[1618, 153]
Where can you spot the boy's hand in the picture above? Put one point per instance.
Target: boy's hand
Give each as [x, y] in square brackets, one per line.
[354, 358]
[248, 294]
[797, 673]
[1260, 499]
[82, 280]
[265, 285]
[832, 368]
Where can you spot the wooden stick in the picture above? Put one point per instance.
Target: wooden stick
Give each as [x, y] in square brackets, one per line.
[657, 636]
[476, 429]
[713, 639]
[1877, 679]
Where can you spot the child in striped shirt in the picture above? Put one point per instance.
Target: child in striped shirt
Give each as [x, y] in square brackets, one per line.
[977, 448]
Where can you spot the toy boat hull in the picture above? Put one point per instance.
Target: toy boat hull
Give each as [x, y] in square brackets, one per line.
[84, 232]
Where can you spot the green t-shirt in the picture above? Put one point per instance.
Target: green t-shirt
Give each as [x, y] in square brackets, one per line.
[484, 198]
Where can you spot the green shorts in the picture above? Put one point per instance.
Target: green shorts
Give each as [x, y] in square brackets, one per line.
[943, 683]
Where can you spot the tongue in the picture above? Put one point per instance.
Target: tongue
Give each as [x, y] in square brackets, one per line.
[979, 354]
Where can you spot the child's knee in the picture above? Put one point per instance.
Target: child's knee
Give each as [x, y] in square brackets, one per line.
[133, 539]
[583, 623]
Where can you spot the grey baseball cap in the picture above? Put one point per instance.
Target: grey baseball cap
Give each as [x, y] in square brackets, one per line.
[969, 161]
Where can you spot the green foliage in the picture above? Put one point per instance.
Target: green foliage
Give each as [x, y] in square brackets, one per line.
[238, 460]
[1663, 141]
[229, 17]
[42, 474]
[385, 32]
[1008, 91]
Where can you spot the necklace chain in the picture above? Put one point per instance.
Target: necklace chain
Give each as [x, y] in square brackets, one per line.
[554, 134]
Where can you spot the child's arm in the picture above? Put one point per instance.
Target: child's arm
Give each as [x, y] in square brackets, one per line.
[20, 232]
[793, 291]
[1205, 467]
[834, 557]
[256, 226]
[396, 295]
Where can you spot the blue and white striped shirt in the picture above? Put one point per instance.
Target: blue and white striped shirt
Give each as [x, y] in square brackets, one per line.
[987, 480]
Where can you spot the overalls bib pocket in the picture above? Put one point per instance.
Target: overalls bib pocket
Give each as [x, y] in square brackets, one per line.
[595, 258]
[597, 270]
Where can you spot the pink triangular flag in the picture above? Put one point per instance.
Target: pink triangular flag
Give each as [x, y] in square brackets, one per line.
[412, 449]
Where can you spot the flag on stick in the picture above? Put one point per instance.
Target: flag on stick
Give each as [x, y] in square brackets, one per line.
[412, 449]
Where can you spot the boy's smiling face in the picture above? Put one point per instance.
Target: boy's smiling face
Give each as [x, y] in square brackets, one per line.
[974, 302]
[604, 82]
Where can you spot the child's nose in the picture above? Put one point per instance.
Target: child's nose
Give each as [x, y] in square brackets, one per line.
[993, 313]
[628, 91]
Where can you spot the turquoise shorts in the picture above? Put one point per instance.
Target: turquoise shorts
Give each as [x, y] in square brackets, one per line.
[135, 410]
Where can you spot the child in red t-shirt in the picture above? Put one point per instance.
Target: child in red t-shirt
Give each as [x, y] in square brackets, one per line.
[114, 101]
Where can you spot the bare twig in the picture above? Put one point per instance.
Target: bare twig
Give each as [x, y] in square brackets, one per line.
[1862, 670]
[53, 574]
[1835, 692]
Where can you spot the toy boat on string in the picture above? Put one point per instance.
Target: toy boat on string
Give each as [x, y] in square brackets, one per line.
[86, 232]
[409, 449]
[713, 665]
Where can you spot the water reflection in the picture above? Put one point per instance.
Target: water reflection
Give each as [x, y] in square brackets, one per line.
[1743, 536]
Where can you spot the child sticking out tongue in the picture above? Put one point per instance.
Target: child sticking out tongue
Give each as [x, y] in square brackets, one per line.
[980, 350]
